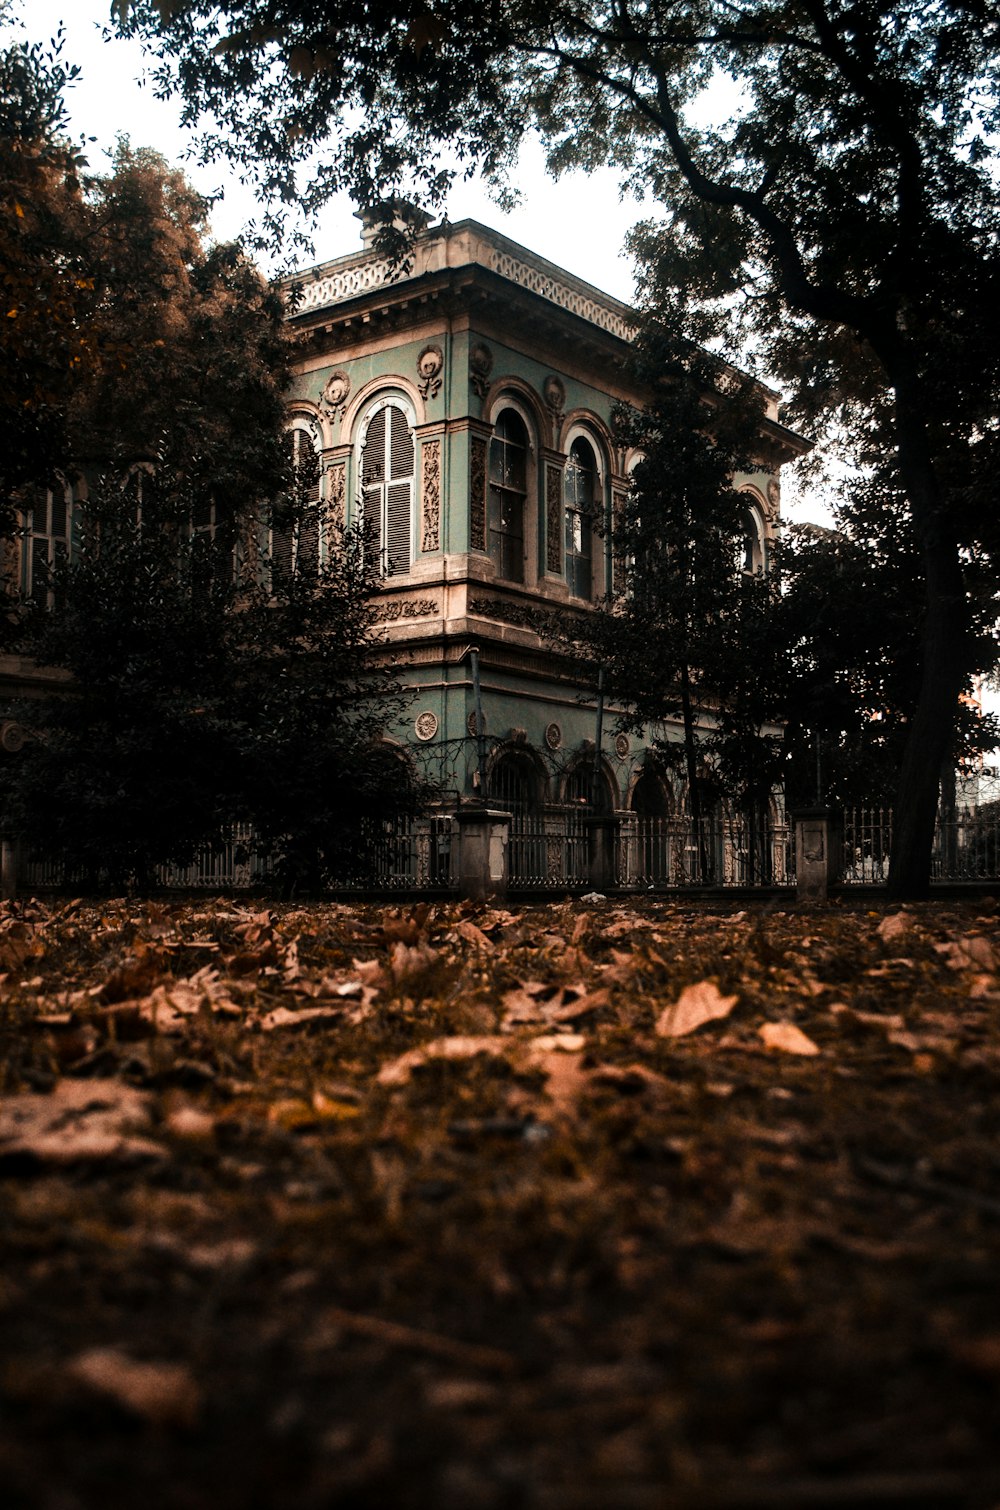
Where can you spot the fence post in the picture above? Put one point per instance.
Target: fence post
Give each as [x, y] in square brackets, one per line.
[602, 839]
[819, 849]
[483, 852]
[11, 866]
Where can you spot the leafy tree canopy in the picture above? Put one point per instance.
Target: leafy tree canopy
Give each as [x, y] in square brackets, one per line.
[847, 217]
[46, 346]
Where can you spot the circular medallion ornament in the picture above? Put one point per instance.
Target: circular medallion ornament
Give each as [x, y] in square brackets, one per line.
[426, 725]
[622, 746]
[470, 724]
[480, 367]
[335, 394]
[429, 365]
[555, 393]
[553, 736]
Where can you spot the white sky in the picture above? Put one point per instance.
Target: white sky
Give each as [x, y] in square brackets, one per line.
[578, 221]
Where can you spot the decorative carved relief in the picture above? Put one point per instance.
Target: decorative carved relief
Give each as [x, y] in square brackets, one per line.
[553, 736]
[553, 519]
[430, 500]
[618, 500]
[425, 725]
[471, 725]
[405, 608]
[622, 746]
[480, 368]
[477, 493]
[430, 364]
[543, 282]
[334, 288]
[774, 495]
[554, 392]
[337, 493]
[336, 394]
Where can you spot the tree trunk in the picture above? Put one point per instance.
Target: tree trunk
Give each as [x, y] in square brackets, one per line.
[930, 736]
[691, 761]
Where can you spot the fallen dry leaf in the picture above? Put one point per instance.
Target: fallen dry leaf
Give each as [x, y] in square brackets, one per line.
[398, 1071]
[79, 1120]
[283, 1017]
[164, 1394]
[787, 1038]
[695, 1006]
[973, 952]
[894, 926]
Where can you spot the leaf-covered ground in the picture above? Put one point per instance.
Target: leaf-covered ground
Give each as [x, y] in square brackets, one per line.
[583, 1205]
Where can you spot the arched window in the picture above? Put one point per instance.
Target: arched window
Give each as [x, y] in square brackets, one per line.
[387, 471]
[508, 493]
[650, 796]
[514, 782]
[751, 556]
[578, 791]
[296, 532]
[48, 537]
[580, 499]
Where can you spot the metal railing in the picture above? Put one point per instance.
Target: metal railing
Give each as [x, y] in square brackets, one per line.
[547, 851]
[400, 854]
[395, 854]
[721, 850]
[966, 847]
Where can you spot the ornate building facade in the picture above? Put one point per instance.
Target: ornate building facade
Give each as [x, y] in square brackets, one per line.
[463, 409]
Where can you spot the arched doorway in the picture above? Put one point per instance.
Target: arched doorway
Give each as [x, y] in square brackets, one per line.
[653, 861]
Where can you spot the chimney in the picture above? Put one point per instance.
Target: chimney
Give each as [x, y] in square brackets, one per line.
[399, 214]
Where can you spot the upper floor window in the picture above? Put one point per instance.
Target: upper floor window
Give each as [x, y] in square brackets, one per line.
[508, 491]
[387, 475]
[580, 481]
[296, 523]
[47, 537]
[751, 555]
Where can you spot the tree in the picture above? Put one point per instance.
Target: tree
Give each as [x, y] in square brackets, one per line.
[849, 622]
[202, 682]
[687, 632]
[306, 700]
[847, 218]
[46, 344]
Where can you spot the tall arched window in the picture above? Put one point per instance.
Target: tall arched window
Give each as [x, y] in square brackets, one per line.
[387, 471]
[751, 556]
[296, 521]
[48, 534]
[580, 499]
[508, 495]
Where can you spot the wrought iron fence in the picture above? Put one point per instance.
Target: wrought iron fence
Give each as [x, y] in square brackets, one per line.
[966, 847]
[867, 845]
[399, 854]
[396, 854]
[547, 851]
[721, 850]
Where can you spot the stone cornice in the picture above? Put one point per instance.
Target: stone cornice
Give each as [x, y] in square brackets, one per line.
[453, 248]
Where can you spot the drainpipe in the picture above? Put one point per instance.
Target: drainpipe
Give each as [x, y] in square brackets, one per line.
[595, 778]
[473, 654]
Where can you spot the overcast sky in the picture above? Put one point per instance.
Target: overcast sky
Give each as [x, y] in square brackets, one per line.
[577, 222]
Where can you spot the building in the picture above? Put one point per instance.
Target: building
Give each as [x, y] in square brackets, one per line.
[463, 409]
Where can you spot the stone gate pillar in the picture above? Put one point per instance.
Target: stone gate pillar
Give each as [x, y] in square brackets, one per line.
[483, 852]
[819, 849]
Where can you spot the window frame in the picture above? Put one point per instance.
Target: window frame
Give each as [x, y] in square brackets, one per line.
[374, 494]
[497, 491]
[48, 537]
[291, 535]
